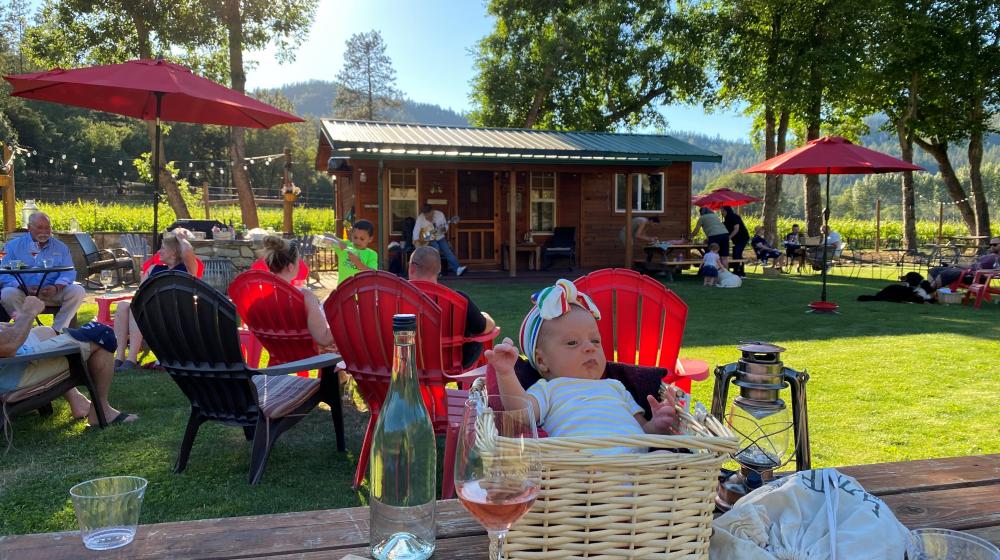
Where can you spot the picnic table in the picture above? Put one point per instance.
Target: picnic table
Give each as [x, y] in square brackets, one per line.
[960, 493]
[671, 257]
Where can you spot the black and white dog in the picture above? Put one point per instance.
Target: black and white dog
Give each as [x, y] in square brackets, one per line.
[914, 289]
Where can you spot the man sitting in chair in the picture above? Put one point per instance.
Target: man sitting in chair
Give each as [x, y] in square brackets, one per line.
[429, 229]
[425, 264]
[95, 342]
[59, 289]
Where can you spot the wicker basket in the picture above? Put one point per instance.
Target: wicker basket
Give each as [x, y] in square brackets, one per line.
[950, 298]
[651, 505]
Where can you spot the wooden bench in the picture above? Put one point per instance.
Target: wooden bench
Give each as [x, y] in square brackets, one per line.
[671, 266]
[956, 493]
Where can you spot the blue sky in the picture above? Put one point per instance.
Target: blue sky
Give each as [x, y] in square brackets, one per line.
[430, 44]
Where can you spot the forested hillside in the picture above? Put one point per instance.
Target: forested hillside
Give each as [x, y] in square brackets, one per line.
[315, 99]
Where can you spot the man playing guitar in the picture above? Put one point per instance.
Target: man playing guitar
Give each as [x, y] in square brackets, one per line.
[429, 229]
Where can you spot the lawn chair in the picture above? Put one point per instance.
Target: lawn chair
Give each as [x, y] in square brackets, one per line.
[96, 260]
[360, 315]
[307, 252]
[980, 290]
[562, 244]
[642, 323]
[192, 328]
[454, 314]
[136, 245]
[39, 397]
[275, 312]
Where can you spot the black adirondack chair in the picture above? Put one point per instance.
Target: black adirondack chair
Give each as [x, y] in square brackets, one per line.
[39, 397]
[192, 329]
[96, 260]
[561, 244]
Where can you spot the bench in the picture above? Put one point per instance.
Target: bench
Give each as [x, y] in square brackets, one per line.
[671, 266]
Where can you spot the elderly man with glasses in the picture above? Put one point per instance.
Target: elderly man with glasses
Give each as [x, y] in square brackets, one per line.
[944, 275]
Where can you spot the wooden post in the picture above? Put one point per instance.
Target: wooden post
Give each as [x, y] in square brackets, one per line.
[940, 220]
[512, 240]
[204, 200]
[7, 186]
[289, 197]
[878, 224]
[628, 220]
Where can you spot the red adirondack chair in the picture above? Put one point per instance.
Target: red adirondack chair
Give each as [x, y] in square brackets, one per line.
[360, 316]
[642, 323]
[980, 290]
[275, 313]
[453, 318]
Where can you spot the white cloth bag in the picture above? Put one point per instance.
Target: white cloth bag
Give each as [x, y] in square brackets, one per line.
[811, 515]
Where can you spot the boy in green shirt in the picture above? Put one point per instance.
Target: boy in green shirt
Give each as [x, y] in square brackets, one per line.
[354, 256]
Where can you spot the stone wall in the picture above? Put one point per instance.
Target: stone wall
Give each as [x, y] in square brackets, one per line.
[241, 253]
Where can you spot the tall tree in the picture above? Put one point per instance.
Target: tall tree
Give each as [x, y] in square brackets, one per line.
[593, 65]
[366, 85]
[253, 25]
[76, 32]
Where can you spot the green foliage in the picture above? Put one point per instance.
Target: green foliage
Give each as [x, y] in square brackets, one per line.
[366, 87]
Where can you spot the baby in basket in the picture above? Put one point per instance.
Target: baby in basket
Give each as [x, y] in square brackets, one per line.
[559, 337]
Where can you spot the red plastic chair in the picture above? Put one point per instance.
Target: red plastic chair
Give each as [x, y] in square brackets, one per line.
[980, 290]
[275, 313]
[360, 316]
[454, 311]
[630, 304]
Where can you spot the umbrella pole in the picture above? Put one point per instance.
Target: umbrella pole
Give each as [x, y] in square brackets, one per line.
[826, 225]
[156, 175]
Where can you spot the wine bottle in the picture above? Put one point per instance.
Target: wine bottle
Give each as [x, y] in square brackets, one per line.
[403, 461]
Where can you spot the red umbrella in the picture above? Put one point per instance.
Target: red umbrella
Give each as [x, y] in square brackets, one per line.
[149, 90]
[723, 197]
[831, 155]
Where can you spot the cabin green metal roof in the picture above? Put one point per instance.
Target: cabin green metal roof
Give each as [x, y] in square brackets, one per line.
[388, 140]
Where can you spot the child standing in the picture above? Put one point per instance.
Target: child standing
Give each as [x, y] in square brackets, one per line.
[711, 264]
[354, 256]
[560, 338]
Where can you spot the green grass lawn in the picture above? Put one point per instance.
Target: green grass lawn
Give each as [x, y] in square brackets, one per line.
[888, 382]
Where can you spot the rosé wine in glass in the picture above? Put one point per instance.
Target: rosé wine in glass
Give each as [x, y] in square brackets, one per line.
[497, 505]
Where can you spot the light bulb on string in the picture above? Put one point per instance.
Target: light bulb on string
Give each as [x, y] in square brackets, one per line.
[34, 152]
[190, 164]
[75, 166]
[119, 162]
[244, 168]
[222, 172]
[50, 160]
[93, 160]
[64, 156]
[268, 162]
[100, 171]
[211, 164]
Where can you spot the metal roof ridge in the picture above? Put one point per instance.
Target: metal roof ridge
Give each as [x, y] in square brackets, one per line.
[511, 129]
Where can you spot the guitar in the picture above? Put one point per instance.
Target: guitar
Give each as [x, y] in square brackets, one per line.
[431, 232]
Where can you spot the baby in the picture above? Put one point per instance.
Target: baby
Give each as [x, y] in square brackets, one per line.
[560, 338]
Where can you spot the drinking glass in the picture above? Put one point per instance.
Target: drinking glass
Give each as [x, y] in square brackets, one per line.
[108, 510]
[46, 263]
[34, 249]
[945, 544]
[497, 470]
[106, 280]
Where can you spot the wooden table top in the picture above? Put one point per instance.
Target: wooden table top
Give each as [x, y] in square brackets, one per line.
[958, 493]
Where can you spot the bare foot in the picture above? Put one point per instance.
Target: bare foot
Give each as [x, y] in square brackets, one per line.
[79, 405]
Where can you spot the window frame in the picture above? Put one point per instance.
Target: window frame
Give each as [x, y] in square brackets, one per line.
[416, 193]
[552, 201]
[636, 189]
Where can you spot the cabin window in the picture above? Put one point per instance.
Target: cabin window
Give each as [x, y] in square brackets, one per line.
[543, 202]
[402, 197]
[647, 192]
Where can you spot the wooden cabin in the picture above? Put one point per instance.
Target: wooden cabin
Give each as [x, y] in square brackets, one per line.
[490, 177]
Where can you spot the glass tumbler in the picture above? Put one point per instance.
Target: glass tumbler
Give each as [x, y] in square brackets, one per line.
[108, 510]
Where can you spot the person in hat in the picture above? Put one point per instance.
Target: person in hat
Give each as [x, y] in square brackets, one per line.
[96, 343]
[560, 339]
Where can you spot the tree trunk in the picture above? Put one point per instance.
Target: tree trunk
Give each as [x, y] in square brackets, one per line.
[939, 150]
[976, 184]
[780, 148]
[813, 196]
[167, 182]
[237, 141]
[909, 205]
[772, 190]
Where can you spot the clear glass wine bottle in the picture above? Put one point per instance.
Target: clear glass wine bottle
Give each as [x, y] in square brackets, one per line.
[403, 463]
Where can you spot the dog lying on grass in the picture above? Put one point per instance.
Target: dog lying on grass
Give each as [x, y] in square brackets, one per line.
[914, 289]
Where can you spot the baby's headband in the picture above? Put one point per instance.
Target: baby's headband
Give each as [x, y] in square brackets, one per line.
[550, 303]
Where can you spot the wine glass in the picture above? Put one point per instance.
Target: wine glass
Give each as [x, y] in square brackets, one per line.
[34, 249]
[497, 470]
[106, 280]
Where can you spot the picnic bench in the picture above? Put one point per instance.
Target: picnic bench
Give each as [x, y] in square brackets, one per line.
[955, 493]
[673, 257]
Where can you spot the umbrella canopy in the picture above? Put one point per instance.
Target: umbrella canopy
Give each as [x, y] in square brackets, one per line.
[149, 90]
[723, 197]
[131, 89]
[832, 155]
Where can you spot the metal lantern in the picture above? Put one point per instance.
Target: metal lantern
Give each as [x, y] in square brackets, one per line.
[760, 418]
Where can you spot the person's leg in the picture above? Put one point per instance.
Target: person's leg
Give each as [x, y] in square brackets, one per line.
[11, 299]
[122, 327]
[445, 249]
[102, 370]
[134, 341]
[69, 300]
[738, 254]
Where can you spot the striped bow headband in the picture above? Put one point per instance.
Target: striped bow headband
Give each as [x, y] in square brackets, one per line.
[551, 303]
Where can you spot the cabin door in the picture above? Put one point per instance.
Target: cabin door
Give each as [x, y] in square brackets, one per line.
[476, 232]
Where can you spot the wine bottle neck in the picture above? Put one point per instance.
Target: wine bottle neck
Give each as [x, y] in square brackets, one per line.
[404, 365]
